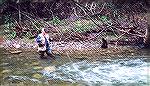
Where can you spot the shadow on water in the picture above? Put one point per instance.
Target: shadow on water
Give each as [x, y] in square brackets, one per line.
[27, 69]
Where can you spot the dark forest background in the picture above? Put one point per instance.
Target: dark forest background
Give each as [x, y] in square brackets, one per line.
[29, 15]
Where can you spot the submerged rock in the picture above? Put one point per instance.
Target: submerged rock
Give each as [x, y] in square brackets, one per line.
[16, 52]
[34, 63]
[37, 76]
[6, 71]
[50, 69]
[37, 68]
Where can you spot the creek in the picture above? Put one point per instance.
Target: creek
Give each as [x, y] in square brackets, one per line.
[29, 69]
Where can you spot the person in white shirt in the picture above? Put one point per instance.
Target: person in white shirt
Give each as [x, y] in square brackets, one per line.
[43, 41]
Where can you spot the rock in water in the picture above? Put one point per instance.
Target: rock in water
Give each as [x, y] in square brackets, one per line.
[34, 63]
[50, 69]
[6, 71]
[16, 52]
[37, 68]
[37, 76]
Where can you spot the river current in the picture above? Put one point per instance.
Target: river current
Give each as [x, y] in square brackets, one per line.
[127, 71]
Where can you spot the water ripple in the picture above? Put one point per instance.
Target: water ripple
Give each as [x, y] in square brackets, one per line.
[118, 71]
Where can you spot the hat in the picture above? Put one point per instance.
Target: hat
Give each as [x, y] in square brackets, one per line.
[45, 30]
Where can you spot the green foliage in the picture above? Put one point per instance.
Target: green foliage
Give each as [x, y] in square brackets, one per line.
[65, 30]
[8, 19]
[8, 27]
[104, 18]
[2, 2]
[10, 35]
[38, 25]
[28, 35]
[56, 21]
[79, 27]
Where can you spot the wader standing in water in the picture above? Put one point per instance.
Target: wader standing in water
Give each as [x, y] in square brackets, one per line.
[43, 41]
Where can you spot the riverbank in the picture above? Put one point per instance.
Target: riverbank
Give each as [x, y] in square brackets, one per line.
[74, 65]
[72, 49]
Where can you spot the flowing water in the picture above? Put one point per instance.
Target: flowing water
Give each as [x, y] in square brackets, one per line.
[26, 69]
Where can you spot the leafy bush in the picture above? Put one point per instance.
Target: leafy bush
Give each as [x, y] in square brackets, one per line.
[58, 22]
[80, 27]
[8, 27]
[55, 21]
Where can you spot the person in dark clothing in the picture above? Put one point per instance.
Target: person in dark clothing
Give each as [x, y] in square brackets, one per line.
[104, 43]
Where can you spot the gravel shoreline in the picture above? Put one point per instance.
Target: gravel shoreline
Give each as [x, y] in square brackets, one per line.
[71, 49]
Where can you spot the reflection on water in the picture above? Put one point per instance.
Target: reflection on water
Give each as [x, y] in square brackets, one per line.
[105, 72]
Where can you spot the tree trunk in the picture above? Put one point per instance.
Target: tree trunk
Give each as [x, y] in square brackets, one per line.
[19, 12]
[147, 34]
